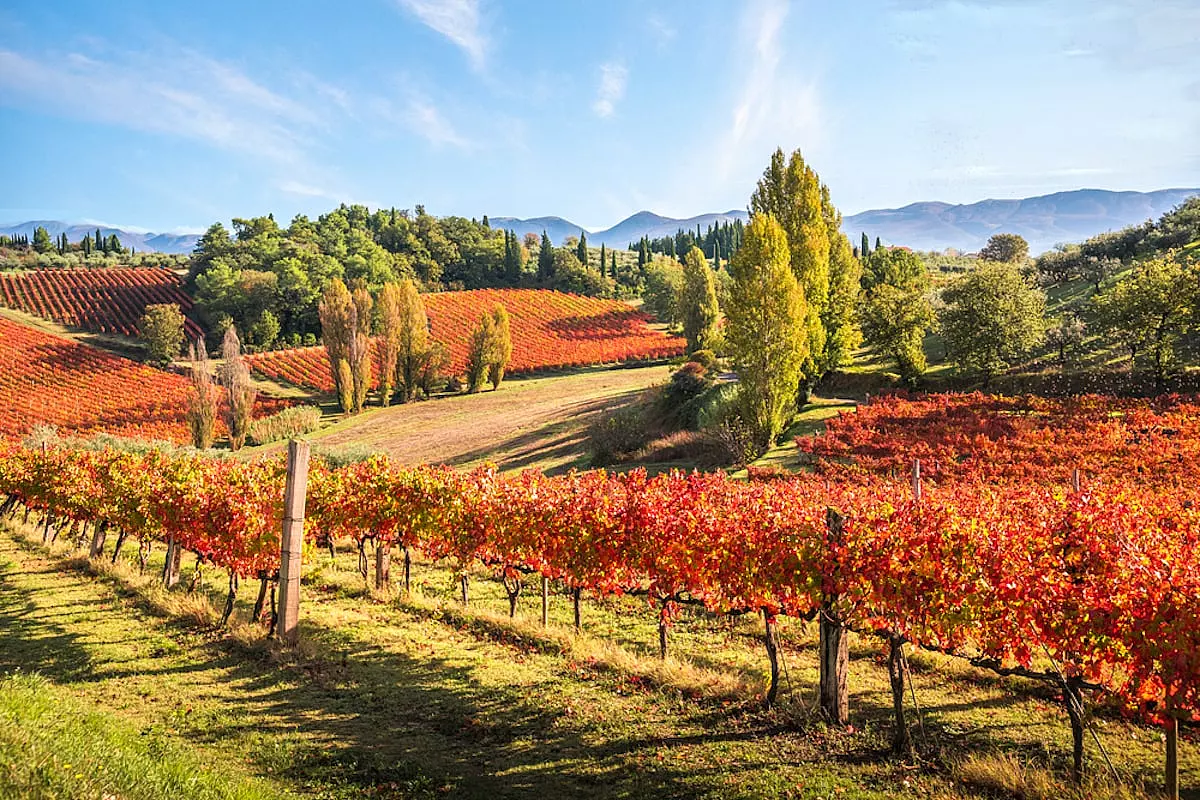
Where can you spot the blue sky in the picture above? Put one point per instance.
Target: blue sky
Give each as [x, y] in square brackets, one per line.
[169, 115]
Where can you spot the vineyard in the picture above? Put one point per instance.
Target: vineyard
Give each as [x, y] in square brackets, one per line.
[1099, 581]
[50, 380]
[550, 330]
[97, 300]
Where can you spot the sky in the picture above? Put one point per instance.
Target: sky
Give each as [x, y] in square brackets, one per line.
[168, 116]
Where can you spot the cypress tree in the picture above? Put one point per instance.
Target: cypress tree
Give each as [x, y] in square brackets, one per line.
[613, 256]
[865, 250]
[100, 242]
[603, 261]
[878, 243]
[546, 259]
[581, 251]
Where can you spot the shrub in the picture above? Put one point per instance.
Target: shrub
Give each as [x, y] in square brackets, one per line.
[618, 434]
[289, 423]
[679, 397]
[717, 405]
[705, 358]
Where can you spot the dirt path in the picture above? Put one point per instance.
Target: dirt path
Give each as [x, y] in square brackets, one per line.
[531, 422]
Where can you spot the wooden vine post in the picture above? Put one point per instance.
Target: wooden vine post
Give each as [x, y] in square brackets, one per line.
[170, 574]
[834, 644]
[292, 544]
[545, 602]
[99, 534]
[1172, 777]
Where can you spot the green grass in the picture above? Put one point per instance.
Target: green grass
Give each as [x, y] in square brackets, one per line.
[398, 697]
[52, 746]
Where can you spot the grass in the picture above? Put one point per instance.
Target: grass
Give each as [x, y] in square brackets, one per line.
[398, 697]
[52, 746]
[530, 422]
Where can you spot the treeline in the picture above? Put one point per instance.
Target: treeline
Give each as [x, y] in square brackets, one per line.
[266, 280]
[44, 251]
[718, 242]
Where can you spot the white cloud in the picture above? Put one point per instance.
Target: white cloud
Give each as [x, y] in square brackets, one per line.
[186, 95]
[613, 77]
[663, 31]
[457, 20]
[773, 107]
[419, 115]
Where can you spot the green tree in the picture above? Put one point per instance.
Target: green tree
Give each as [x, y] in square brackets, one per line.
[581, 249]
[865, 249]
[501, 350]
[479, 354]
[897, 312]
[765, 328]
[161, 329]
[545, 271]
[664, 287]
[1150, 310]
[360, 354]
[41, 240]
[1007, 248]
[992, 317]
[698, 302]
[821, 260]
[604, 261]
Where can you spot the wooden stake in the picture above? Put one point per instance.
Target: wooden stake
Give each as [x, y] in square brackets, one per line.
[1172, 776]
[293, 541]
[916, 478]
[545, 602]
[1076, 483]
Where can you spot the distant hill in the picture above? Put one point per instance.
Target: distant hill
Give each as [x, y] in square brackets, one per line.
[1044, 221]
[142, 242]
[643, 223]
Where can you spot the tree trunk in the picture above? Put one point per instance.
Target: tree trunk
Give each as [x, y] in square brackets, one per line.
[171, 564]
[1171, 782]
[121, 535]
[261, 601]
[834, 646]
[383, 566]
[465, 581]
[664, 623]
[1073, 699]
[545, 601]
[512, 588]
[363, 564]
[229, 599]
[407, 572]
[98, 537]
[575, 596]
[769, 638]
[901, 743]
[144, 547]
[46, 530]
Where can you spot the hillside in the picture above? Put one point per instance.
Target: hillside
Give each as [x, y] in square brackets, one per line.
[141, 241]
[1044, 221]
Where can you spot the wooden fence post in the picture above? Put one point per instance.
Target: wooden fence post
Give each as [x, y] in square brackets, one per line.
[916, 479]
[834, 647]
[1076, 482]
[1172, 776]
[292, 542]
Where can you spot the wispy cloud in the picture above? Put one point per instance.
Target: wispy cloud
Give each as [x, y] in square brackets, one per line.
[773, 105]
[457, 20]
[613, 78]
[664, 32]
[418, 114]
[187, 95]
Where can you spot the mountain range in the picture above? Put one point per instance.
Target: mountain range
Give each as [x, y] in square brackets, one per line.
[1044, 221]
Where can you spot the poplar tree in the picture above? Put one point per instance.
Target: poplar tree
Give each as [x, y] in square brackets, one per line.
[389, 340]
[698, 302]
[240, 393]
[339, 321]
[501, 348]
[765, 328]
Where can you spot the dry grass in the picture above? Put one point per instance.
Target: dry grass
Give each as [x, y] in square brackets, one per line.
[1008, 776]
